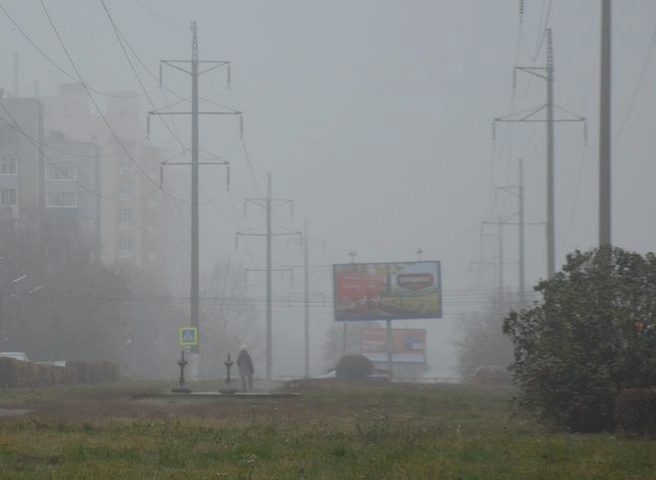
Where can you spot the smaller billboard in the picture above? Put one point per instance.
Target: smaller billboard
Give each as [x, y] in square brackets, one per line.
[408, 345]
[387, 291]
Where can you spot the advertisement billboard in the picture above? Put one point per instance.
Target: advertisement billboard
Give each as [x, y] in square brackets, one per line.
[408, 345]
[387, 291]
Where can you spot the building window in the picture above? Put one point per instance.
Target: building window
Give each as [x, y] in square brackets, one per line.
[125, 245]
[61, 172]
[125, 215]
[8, 196]
[151, 220]
[61, 199]
[152, 247]
[8, 165]
[125, 190]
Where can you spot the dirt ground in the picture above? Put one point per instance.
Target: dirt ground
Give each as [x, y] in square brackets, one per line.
[133, 403]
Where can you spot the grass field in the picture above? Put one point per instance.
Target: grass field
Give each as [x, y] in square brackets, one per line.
[334, 431]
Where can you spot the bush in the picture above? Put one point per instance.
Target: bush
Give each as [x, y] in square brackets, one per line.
[592, 336]
[354, 366]
[635, 412]
[15, 373]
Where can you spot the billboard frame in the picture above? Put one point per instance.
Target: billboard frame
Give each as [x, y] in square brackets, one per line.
[357, 318]
[376, 356]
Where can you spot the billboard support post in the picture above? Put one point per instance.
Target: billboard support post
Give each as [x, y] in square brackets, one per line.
[389, 347]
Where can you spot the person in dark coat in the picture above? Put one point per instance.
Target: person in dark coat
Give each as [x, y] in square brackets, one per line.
[246, 370]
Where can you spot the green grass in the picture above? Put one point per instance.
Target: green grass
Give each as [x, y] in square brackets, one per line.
[336, 431]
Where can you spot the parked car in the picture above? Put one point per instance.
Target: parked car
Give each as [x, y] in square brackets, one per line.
[491, 375]
[375, 376]
[15, 355]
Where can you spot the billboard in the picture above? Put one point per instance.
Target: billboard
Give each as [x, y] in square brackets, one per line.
[408, 345]
[387, 291]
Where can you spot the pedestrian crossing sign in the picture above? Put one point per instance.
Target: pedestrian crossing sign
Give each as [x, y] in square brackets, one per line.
[188, 336]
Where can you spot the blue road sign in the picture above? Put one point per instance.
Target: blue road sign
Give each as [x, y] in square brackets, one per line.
[188, 336]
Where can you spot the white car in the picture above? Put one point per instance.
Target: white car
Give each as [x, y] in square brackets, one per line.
[15, 355]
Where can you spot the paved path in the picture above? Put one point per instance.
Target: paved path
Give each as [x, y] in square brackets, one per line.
[8, 412]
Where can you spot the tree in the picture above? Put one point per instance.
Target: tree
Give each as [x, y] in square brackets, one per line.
[66, 308]
[482, 341]
[229, 317]
[593, 334]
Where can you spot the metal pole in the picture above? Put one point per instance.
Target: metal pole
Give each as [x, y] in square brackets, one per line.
[269, 355]
[551, 239]
[500, 233]
[195, 311]
[604, 128]
[521, 234]
[306, 246]
[389, 346]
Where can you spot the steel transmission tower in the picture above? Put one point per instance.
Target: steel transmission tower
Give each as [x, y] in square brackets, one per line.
[268, 203]
[518, 190]
[305, 246]
[194, 73]
[545, 73]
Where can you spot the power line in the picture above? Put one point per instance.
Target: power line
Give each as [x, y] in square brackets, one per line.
[120, 39]
[543, 29]
[57, 66]
[38, 147]
[159, 17]
[93, 100]
[636, 90]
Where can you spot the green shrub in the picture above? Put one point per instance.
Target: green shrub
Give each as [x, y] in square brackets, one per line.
[635, 412]
[592, 335]
[354, 366]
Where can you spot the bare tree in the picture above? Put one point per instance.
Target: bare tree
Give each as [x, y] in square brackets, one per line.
[229, 317]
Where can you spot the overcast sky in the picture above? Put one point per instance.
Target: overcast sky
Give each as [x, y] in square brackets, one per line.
[375, 117]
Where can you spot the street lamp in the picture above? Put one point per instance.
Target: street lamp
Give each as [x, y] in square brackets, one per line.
[19, 298]
[3, 326]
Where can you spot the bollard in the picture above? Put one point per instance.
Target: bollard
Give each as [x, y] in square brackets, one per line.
[227, 390]
[182, 363]
[228, 363]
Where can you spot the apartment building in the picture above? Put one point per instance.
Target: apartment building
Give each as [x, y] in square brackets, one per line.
[131, 215]
[71, 185]
[21, 134]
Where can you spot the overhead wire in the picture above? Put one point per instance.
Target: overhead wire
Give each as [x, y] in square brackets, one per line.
[579, 179]
[543, 28]
[636, 90]
[93, 100]
[39, 147]
[159, 17]
[59, 67]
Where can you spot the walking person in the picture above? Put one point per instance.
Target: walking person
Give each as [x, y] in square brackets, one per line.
[246, 370]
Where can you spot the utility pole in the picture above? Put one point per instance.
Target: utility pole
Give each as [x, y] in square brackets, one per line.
[604, 128]
[545, 73]
[522, 281]
[306, 288]
[194, 358]
[268, 203]
[305, 246]
[519, 192]
[500, 260]
[352, 254]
